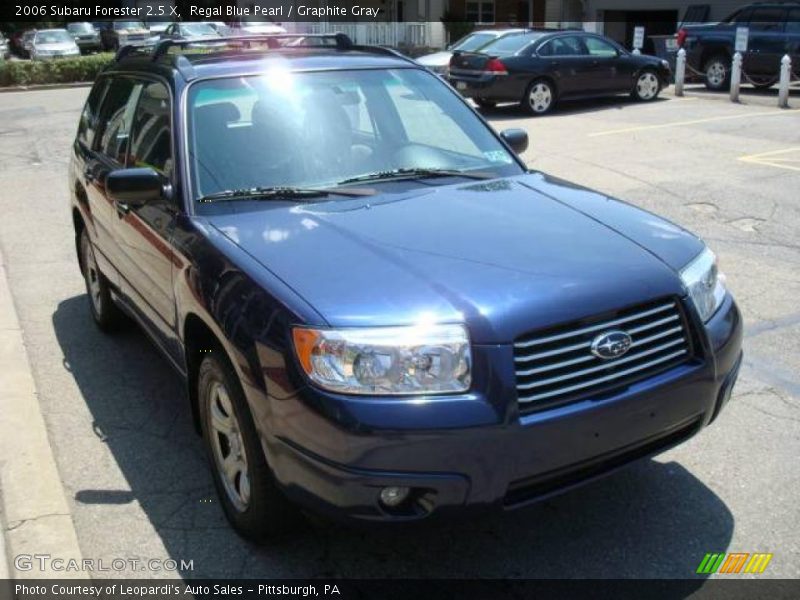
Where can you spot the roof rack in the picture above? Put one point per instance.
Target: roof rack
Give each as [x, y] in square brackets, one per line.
[342, 41]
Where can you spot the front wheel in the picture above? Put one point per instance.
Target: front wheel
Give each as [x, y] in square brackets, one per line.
[718, 73]
[540, 97]
[252, 502]
[647, 86]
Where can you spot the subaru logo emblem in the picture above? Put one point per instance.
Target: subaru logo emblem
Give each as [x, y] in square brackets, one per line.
[611, 344]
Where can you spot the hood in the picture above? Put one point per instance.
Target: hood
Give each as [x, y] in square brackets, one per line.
[56, 46]
[437, 59]
[506, 256]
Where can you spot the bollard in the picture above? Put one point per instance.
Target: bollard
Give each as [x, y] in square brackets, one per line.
[680, 72]
[783, 85]
[636, 51]
[736, 76]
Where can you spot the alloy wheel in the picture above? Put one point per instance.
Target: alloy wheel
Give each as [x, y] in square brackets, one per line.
[228, 447]
[92, 275]
[716, 72]
[647, 86]
[540, 97]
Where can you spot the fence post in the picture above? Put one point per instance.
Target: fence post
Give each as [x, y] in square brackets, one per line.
[736, 76]
[680, 72]
[783, 85]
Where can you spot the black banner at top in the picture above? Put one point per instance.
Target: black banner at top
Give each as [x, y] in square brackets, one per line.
[278, 11]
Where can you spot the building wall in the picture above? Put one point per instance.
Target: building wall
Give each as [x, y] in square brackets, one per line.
[506, 12]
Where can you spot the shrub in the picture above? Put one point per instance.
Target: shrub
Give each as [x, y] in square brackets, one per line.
[63, 70]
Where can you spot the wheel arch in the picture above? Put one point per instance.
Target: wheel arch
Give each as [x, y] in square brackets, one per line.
[197, 338]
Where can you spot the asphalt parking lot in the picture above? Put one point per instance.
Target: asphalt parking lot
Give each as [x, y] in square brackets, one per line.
[134, 471]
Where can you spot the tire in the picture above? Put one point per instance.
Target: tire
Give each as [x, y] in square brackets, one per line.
[718, 72]
[485, 103]
[540, 97]
[104, 311]
[647, 86]
[250, 497]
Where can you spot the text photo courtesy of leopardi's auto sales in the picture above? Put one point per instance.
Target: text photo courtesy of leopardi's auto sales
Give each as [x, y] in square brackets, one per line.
[370, 299]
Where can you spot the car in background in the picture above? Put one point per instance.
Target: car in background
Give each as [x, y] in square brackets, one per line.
[85, 35]
[158, 27]
[255, 27]
[439, 61]
[539, 68]
[120, 33]
[220, 27]
[191, 30]
[774, 31]
[53, 43]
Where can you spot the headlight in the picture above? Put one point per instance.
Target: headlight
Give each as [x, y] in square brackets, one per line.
[706, 286]
[424, 359]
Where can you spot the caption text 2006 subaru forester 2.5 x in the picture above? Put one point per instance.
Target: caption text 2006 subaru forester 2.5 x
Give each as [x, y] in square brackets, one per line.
[379, 312]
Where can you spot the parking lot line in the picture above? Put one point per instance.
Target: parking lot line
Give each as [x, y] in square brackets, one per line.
[771, 113]
[769, 159]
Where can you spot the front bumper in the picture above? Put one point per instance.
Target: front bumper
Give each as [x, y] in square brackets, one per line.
[476, 452]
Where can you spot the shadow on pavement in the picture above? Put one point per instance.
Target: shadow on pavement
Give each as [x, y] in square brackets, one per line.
[652, 520]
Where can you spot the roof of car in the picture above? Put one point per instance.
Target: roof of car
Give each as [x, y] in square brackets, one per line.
[229, 62]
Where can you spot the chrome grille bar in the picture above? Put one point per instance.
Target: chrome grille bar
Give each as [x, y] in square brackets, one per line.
[561, 363]
[603, 379]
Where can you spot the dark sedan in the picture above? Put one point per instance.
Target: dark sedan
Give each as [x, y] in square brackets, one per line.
[539, 68]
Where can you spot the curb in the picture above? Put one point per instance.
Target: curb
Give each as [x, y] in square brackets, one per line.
[44, 86]
[35, 514]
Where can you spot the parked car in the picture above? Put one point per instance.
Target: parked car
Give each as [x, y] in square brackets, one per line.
[472, 42]
[538, 69]
[378, 311]
[189, 30]
[53, 43]
[774, 31]
[119, 33]
[252, 27]
[86, 36]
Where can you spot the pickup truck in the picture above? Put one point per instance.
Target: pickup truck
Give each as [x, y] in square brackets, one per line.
[774, 30]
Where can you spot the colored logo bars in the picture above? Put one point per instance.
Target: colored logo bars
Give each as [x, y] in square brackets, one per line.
[734, 562]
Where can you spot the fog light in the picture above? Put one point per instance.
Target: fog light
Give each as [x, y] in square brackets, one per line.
[394, 496]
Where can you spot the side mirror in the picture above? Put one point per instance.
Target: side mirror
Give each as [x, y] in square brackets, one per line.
[516, 138]
[135, 187]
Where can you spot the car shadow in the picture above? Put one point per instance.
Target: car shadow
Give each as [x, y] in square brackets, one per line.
[654, 519]
[565, 108]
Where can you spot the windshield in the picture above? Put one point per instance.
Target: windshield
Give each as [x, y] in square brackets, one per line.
[510, 44]
[318, 129]
[53, 37]
[125, 25]
[80, 28]
[197, 29]
[473, 41]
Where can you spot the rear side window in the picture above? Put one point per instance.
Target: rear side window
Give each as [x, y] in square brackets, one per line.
[563, 46]
[116, 117]
[90, 115]
[767, 19]
[151, 138]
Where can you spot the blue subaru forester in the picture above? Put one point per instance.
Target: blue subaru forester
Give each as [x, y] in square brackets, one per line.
[379, 312]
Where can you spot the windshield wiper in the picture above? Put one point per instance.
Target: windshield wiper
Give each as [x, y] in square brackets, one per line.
[281, 193]
[413, 173]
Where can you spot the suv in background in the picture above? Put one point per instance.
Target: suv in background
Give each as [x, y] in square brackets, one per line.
[378, 311]
[774, 31]
[116, 34]
[85, 35]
